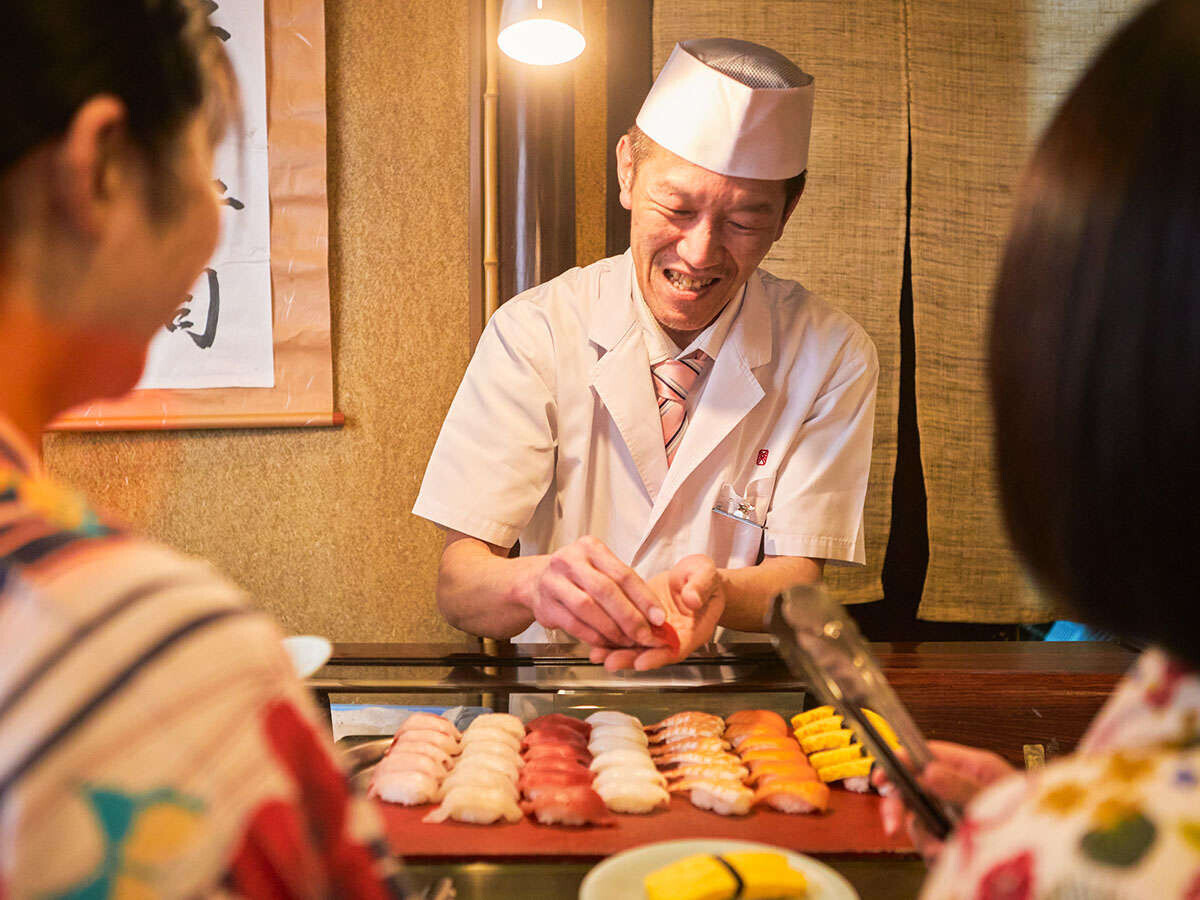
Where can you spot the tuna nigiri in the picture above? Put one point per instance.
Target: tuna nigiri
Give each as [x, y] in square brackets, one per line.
[562, 720]
[567, 805]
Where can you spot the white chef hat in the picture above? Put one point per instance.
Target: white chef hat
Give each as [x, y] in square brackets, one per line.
[733, 107]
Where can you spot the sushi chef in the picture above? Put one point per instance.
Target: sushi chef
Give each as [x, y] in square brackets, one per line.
[673, 433]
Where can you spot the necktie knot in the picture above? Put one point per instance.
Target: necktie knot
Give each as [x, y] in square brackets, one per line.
[673, 381]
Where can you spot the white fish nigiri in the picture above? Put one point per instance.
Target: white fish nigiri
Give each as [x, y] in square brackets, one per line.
[492, 734]
[625, 775]
[633, 796]
[622, 731]
[496, 748]
[411, 762]
[726, 798]
[608, 742]
[612, 717]
[479, 806]
[479, 778]
[622, 758]
[428, 722]
[437, 754]
[494, 761]
[509, 723]
[409, 787]
[426, 736]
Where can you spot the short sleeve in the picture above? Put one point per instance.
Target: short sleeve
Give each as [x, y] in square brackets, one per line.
[494, 458]
[817, 505]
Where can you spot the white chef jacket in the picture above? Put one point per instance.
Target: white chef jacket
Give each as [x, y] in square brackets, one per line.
[554, 433]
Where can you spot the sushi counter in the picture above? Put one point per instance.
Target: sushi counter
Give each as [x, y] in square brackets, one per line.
[582, 766]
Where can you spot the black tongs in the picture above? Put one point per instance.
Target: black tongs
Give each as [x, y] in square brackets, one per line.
[822, 644]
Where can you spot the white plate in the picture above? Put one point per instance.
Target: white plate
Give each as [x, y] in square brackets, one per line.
[308, 652]
[621, 875]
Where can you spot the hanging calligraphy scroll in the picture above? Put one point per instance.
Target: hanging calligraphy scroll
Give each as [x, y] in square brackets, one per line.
[250, 345]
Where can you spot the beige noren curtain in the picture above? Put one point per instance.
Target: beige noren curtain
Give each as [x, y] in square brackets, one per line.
[985, 77]
[846, 239]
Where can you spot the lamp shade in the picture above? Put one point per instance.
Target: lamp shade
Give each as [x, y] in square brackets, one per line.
[542, 32]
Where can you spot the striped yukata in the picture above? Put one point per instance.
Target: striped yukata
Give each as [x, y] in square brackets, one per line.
[154, 740]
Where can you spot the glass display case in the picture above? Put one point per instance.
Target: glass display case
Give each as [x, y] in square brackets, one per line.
[1047, 692]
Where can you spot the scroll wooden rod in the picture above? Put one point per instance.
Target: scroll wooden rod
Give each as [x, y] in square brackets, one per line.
[325, 419]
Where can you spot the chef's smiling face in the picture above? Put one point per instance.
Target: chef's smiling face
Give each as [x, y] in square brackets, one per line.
[696, 236]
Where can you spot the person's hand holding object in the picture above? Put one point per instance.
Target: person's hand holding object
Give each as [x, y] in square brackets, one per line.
[586, 591]
[693, 596]
[956, 774]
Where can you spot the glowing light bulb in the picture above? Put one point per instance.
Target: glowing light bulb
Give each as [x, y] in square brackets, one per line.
[541, 32]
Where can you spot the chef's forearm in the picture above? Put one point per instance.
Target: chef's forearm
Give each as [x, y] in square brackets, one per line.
[749, 591]
[479, 588]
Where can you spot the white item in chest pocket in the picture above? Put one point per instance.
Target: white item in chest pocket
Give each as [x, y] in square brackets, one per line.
[749, 509]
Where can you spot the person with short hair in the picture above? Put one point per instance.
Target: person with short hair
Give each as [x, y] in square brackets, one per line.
[154, 739]
[1094, 362]
[673, 435]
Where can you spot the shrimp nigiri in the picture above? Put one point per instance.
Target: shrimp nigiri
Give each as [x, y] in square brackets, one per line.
[692, 744]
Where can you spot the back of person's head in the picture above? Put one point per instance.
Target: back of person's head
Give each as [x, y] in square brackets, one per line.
[160, 58]
[1095, 342]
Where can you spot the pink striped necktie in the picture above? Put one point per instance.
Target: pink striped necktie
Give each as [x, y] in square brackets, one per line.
[673, 381]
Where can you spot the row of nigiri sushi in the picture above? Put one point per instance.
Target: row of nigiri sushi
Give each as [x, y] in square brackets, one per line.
[558, 770]
[730, 765]
[563, 770]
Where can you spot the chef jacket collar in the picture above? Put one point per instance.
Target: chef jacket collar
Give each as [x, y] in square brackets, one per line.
[659, 345]
[15, 452]
[749, 327]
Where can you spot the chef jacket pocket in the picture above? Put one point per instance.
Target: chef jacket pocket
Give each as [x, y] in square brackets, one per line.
[739, 520]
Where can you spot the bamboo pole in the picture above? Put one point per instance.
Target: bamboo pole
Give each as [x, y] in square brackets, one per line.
[491, 204]
[491, 164]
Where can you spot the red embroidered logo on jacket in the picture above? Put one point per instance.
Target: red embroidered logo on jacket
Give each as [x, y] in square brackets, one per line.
[762, 458]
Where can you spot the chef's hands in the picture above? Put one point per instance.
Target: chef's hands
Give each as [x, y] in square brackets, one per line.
[584, 589]
[693, 595]
[956, 774]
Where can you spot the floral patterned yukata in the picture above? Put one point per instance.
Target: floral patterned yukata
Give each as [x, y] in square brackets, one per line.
[1119, 818]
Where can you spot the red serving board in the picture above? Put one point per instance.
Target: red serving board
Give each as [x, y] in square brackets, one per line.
[850, 826]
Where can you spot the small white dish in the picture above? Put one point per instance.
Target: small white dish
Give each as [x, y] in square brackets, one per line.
[622, 875]
[308, 652]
